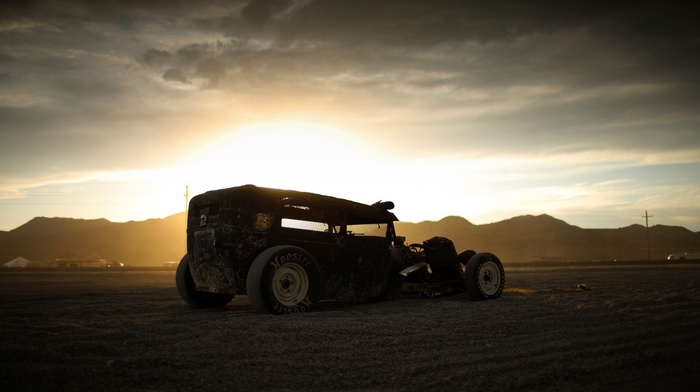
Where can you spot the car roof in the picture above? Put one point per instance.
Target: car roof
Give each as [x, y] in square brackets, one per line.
[269, 198]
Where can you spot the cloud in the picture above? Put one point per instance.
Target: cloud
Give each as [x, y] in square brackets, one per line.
[211, 69]
[260, 12]
[155, 58]
[176, 75]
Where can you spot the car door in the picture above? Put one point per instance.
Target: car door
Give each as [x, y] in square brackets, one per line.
[365, 259]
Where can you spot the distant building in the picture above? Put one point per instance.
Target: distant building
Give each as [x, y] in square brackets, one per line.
[684, 256]
[93, 261]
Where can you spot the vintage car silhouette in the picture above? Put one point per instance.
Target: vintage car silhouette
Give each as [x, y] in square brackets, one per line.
[288, 250]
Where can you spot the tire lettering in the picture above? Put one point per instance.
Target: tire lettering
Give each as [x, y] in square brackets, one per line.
[276, 264]
[306, 303]
[304, 306]
[290, 257]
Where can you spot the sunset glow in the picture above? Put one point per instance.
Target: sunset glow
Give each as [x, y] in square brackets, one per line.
[295, 155]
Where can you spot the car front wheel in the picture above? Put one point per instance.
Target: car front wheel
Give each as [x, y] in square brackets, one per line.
[485, 277]
[284, 279]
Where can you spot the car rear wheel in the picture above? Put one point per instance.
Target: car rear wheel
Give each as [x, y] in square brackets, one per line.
[284, 279]
[485, 277]
[186, 288]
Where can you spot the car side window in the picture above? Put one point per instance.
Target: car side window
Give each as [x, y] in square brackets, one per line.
[288, 223]
[307, 218]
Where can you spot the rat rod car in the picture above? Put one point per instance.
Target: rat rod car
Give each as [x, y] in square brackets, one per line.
[288, 250]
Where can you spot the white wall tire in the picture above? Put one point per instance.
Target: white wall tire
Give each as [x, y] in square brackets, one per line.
[284, 279]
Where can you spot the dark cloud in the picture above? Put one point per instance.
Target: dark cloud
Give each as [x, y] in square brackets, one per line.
[396, 22]
[581, 42]
[431, 56]
[175, 75]
[193, 52]
[155, 58]
[260, 12]
[415, 23]
[211, 69]
[190, 61]
[107, 10]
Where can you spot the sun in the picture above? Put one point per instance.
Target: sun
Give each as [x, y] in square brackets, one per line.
[291, 155]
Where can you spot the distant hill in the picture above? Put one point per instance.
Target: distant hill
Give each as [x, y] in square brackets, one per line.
[519, 239]
[149, 242]
[528, 238]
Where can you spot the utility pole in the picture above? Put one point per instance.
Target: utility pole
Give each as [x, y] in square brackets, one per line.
[187, 204]
[646, 217]
[187, 196]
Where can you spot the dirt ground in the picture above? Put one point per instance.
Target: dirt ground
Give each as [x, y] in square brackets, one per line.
[634, 328]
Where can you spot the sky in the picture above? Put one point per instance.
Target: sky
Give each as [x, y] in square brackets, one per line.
[586, 111]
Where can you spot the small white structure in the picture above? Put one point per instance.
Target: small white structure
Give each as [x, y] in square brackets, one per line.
[684, 256]
[19, 262]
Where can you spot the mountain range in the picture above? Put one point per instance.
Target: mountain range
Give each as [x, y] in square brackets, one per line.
[143, 243]
[520, 239]
[545, 238]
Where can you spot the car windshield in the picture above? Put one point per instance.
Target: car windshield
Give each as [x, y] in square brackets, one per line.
[368, 229]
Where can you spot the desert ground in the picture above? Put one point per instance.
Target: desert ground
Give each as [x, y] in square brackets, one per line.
[636, 327]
